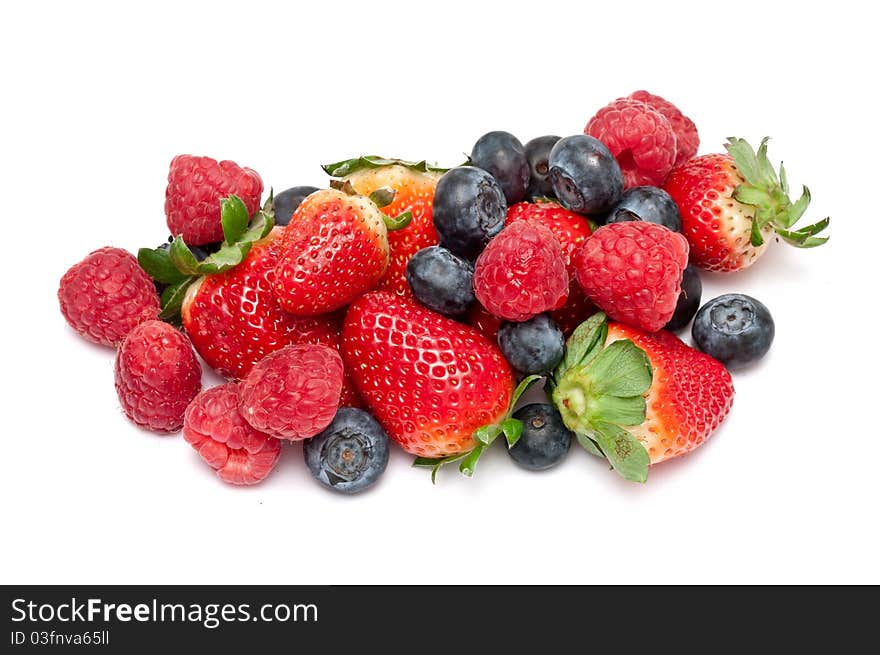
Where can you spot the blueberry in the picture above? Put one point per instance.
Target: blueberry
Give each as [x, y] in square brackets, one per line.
[288, 200]
[734, 328]
[538, 155]
[469, 209]
[441, 280]
[533, 347]
[688, 299]
[544, 441]
[350, 454]
[503, 156]
[649, 204]
[585, 176]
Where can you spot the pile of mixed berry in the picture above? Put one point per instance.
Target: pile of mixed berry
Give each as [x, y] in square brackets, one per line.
[415, 304]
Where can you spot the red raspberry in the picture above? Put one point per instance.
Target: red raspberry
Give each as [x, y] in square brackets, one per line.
[196, 185]
[106, 295]
[239, 453]
[521, 273]
[294, 392]
[640, 137]
[633, 272]
[569, 228]
[687, 138]
[157, 375]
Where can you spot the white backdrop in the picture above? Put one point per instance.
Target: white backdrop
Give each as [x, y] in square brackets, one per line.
[97, 99]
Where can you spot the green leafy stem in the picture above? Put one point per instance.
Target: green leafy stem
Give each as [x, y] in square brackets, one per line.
[600, 389]
[349, 166]
[767, 191]
[177, 266]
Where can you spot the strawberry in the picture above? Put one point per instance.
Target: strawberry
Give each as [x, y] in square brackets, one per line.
[669, 396]
[430, 381]
[229, 310]
[731, 204]
[334, 249]
[414, 185]
[195, 187]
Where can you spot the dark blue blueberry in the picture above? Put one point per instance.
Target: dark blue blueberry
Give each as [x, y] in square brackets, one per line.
[441, 280]
[469, 209]
[649, 204]
[688, 299]
[533, 347]
[734, 328]
[350, 454]
[544, 441]
[585, 176]
[288, 200]
[502, 155]
[538, 156]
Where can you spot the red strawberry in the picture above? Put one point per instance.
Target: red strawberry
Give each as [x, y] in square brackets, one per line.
[294, 392]
[414, 185]
[637, 398]
[731, 204]
[196, 185]
[213, 426]
[633, 272]
[157, 375]
[691, 393]
[106, 295]
[334, 249]
[429, 380]
[234, 319]
[571, 230]
[521, 273]
[230, 311]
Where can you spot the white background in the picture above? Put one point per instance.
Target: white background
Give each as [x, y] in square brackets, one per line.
[97, 99]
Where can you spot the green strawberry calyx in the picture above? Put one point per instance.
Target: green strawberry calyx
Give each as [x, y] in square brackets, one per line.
[349, 166]
[767, 191]
[601, 389]
[177, 268]
[381, 197]
[483, 437]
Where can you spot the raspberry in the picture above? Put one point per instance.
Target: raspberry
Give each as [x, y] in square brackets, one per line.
[633, 272]
[157, 375]
[196, 185]
[106, 295]
[521, 273]
[239, 453]
[569, 228]
[640, 137]
[294, 392]
[687, 138]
